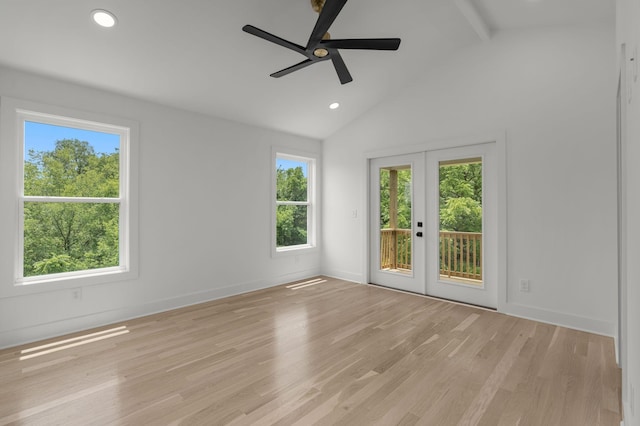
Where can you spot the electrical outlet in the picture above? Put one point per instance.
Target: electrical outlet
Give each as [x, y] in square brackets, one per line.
[76, 294]
[524, 285]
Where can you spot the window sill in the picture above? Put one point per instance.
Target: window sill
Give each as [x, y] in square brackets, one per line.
[58, 282]
[294, 250]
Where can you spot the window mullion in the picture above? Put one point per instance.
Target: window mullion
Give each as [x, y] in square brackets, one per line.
[46, 199]
[293, 203]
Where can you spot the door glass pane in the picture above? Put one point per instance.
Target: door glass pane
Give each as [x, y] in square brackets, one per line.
[460, 189]
[395, 219]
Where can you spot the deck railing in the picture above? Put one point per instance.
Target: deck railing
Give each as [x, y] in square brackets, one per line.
[460, 252]
[395, 248]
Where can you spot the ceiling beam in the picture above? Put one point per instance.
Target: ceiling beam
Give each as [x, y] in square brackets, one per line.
[473, 17]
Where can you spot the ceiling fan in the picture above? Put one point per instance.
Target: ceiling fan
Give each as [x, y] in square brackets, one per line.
[320, 47]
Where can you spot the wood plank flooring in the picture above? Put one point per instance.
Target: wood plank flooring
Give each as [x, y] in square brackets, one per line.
[325, 352]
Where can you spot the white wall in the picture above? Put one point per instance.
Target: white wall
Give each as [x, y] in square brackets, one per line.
[204, 215]
[553, 92]
[628, 34]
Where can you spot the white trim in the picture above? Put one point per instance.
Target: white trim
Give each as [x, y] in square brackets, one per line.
[92, 200]
[575, 322]
[497, 137]
[521, 311]
[412, 280]
[626, 411]
[486, 294]
[294, 249]
[13, 113]
[313, 190]
[344, 275]
[365, 276]
[23, 116]
[44, 330]
[622, 221]
[105, 273]
[437, 144]
[293, 203]
[501, 163]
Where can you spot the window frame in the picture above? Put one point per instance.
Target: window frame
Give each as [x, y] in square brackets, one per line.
[13, 115]
[312, 161]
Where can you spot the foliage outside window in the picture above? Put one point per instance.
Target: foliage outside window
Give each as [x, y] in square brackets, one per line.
[73, 201]
[294, 202]
[461, 212]
[403, 201]
[461, 196]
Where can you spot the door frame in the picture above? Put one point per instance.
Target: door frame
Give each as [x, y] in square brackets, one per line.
[499, 138]
[623, 98]
[486, 294]
[415, 281]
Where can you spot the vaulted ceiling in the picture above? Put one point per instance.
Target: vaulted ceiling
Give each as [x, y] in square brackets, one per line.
[193, 55]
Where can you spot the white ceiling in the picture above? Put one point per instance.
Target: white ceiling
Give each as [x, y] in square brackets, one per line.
[193, 55]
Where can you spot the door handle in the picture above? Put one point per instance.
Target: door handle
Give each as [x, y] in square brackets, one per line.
[418, 234]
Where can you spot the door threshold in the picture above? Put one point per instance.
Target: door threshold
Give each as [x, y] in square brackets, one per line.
[440, 299]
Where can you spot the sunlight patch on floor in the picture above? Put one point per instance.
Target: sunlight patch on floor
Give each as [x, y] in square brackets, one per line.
[72, 342]
[306, 284]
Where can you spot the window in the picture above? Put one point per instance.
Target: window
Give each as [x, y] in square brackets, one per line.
[74, 199]
[295, 207]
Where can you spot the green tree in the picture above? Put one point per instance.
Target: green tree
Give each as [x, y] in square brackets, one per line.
[291, 220]
[404, 198]
[461, 197]
[461, 214]
[67, 236]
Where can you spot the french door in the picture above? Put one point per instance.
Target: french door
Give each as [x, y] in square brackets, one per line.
[396, 221]
[433, 223]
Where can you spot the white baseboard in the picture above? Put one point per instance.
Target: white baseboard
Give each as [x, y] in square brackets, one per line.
[16, 337]
[626, 411]
[344, 275]
[575, 322]
[626, 414]
[522, 311]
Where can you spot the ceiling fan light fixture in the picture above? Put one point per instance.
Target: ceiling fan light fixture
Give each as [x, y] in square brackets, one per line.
[104, 18]
[320, 52]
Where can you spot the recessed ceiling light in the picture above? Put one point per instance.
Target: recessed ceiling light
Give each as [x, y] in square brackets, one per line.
[103, 18]
[334, 105]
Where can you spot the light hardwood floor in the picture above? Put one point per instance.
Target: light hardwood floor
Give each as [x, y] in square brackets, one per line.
[327, 353]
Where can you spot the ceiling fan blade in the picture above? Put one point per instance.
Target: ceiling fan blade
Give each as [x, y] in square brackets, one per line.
[341, 67]
[292, 68]
[329, 12]
[363, 43]
[272, 38]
